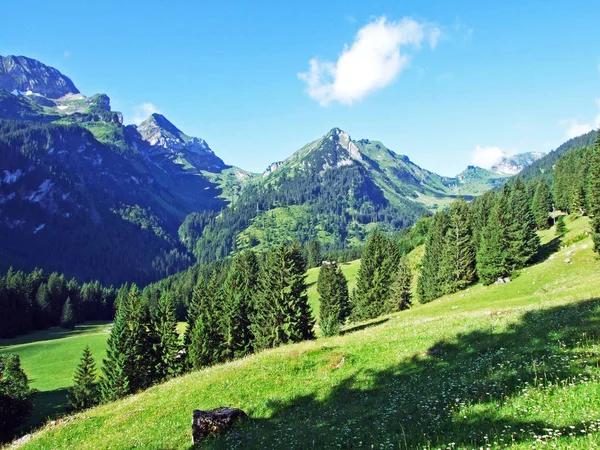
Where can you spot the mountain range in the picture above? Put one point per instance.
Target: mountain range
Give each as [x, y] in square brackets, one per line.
[83, 193]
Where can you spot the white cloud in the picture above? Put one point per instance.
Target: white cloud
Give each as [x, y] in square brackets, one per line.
[487, 157]
[141, 112]
[576, 128]
[373, 61]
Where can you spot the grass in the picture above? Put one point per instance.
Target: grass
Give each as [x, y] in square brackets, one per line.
[49, 359]
[513, 365]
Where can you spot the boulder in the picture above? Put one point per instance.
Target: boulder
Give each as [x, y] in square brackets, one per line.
[205, 423]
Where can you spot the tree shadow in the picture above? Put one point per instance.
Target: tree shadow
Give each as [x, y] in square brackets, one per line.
[51, 334]
[546, 250]
[451, 393]
[46, 405]
[354, 328]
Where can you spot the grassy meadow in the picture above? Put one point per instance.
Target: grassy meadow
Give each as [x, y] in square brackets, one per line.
[49, 358]
[515, 365]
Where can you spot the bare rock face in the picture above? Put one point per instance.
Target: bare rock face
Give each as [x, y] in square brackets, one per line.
[205, 423]
[25, 74]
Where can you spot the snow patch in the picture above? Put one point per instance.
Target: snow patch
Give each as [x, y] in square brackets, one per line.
[36, 196]
[39, 228]
[12, 177]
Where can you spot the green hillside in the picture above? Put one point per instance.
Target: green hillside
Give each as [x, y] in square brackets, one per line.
[512, 365]
[49, 358]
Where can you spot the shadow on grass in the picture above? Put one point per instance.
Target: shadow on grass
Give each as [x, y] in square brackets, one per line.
[547, 249]
[51, 334]
[47, 405]
[452, 393]
[354, 328]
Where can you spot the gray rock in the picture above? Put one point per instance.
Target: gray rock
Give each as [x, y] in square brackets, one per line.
[26, 74]
[205, 423]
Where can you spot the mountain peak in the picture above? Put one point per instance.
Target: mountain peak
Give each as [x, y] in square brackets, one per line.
[26, 74]
[511, 165]
[160, 121]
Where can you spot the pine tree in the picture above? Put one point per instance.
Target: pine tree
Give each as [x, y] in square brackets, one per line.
[524, 241]
[205, 341]
[67, 318]
[165, 325]
[493, 258]
[430, 282]
[115, 380]
[143, 342]
[542, 204]
[457, 266]
[282, 313]
[43, 308]
[314, 254]
[84, 393]
[239, 295]
[400, 298]
[333, 296]
[378, 265]
[594, 192]
[561, 228]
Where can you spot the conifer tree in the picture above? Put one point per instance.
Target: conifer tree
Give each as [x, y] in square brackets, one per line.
[143, 342]
[430, 282]
[493, 258]
[378, 265]
[43, 307]
[15, 394]
[115, 377]
[84, 393]
[594, 192]
[542, 204]
[165, 324]
[239, 295]
[333, 296]
[314, 254]
[205, 341]
[523, 239]
[401, 294]
[457, 266]
[282, 313]
[67, 318]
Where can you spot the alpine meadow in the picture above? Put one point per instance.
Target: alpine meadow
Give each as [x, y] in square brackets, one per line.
[303, 281]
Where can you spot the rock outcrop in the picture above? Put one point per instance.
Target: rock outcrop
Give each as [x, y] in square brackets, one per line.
[29, 75]
[205, 423]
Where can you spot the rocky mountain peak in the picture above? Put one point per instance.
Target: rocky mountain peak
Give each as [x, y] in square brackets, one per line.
[512, 165]
[26, 74]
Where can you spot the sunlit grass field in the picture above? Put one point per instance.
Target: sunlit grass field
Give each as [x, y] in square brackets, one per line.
[513, 365]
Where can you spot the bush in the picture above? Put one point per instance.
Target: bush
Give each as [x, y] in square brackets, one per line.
[15, 395]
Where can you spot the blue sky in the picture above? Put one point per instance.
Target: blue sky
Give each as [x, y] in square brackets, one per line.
[442, 82]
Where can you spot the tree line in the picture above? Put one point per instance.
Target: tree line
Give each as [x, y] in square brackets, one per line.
[36, 301]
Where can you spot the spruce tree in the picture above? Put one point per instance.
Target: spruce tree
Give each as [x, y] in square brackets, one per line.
[430, 282]
[239, 295]
[205, 340]
[333, 296]
[165, 325]
[43, 308]
[401, 294]
[314, 254]
[493, 257]
[594, 192]
[84, 393]
[67, 318]
[15, 395]
[457, 266]
[282, 313]
[115, 378]
[378, 265]
[542, 204]
[524, 241]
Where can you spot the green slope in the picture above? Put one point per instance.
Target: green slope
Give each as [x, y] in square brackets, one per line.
[511, 365]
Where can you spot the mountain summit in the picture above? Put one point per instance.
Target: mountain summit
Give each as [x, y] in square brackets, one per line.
[29, 75]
